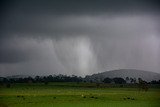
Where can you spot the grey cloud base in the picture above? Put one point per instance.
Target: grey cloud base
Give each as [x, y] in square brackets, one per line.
[78, 37]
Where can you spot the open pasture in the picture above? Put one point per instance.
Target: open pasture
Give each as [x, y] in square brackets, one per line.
[76, 95]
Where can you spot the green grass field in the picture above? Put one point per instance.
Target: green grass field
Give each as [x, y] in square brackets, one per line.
[76, 95]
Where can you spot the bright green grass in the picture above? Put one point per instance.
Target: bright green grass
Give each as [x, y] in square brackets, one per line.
[72, 95]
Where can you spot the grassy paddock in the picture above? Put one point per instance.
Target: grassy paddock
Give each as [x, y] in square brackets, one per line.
[77, 95]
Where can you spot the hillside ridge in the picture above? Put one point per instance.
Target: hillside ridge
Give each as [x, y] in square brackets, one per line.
[123, 73]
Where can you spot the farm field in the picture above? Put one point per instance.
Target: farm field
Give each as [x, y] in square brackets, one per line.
[76, 95]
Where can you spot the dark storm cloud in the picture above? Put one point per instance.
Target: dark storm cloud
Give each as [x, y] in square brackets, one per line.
[12, 55]
[78, 37]
[15, 50]
[34, 16]
[80, 7]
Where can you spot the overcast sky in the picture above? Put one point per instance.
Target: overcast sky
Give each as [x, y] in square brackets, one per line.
[80, 37]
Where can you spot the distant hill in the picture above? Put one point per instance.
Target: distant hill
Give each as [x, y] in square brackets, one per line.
[123, 73]
[19, 76]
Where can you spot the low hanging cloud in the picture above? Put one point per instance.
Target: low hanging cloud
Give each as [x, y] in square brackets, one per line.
[80, 38]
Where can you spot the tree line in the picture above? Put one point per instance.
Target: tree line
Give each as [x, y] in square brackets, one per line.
[42, 79]
[73, 78]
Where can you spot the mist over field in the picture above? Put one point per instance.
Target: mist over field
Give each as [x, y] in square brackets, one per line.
[84, 37]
